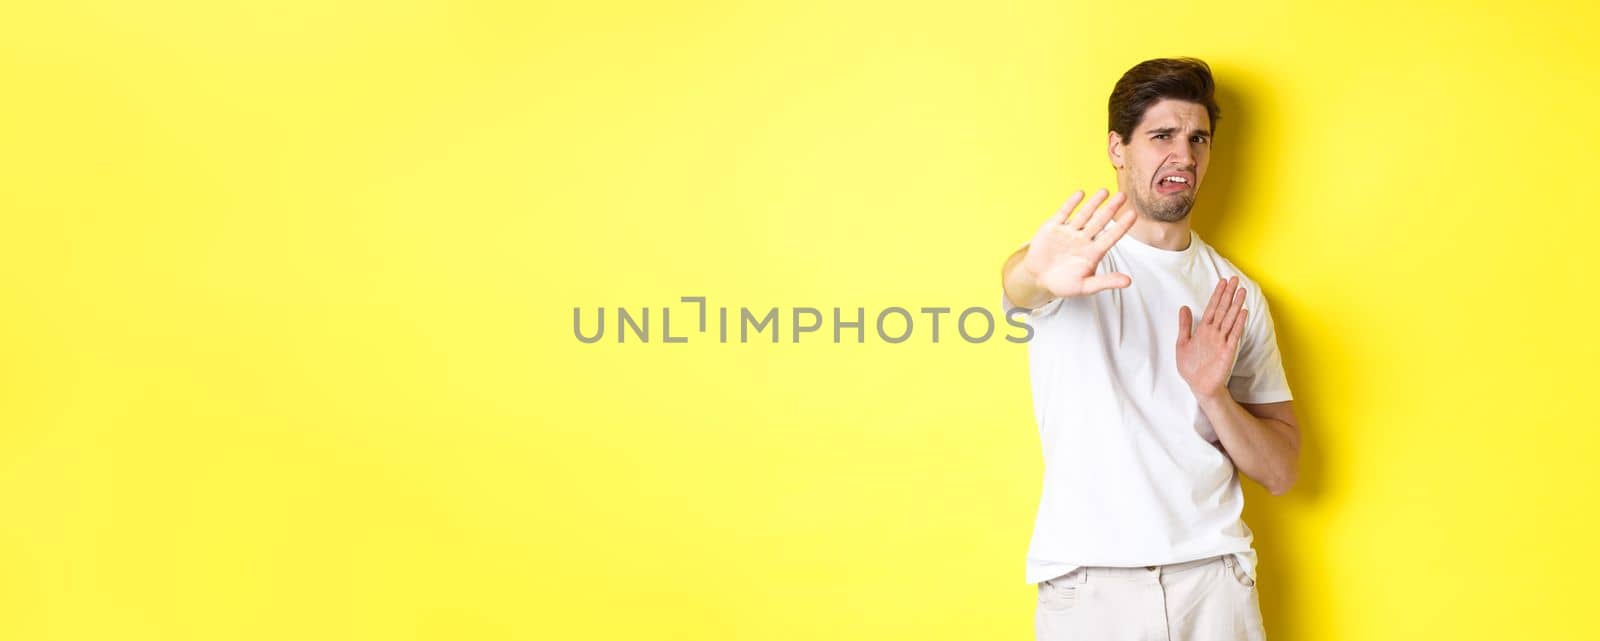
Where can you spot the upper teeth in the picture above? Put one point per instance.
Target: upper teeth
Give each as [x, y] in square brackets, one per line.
[1178, 179]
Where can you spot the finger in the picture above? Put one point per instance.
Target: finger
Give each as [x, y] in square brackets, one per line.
[1061, 215]
[1235, 303]
[1116, 228]
[1089, 207]
[1097, 221]
[1238, 329]
[1211, 306]
[1102, 282]
[1185, 324]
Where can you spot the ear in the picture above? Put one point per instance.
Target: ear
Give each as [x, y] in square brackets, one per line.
[1114, 148]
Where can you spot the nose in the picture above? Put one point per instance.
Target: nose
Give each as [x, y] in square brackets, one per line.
[1184, 154]
[1182, 159]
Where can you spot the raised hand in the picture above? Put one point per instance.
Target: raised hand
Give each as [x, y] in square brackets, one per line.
[1064, 253]
[1206, 353]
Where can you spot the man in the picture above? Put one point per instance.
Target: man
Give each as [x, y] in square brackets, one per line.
[1156, 376]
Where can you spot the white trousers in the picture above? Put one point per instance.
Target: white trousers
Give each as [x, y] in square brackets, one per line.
[1211, 599]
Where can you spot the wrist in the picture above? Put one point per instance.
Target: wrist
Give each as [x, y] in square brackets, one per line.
[1210, 398]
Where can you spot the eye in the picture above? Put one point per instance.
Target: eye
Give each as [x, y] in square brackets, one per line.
[1200, 139]
[1161, 135]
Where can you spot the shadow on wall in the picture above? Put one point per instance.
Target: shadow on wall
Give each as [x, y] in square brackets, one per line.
[1281, 588]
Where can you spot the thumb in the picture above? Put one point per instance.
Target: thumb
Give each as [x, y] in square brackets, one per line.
[1184, 323]
[1101, 282]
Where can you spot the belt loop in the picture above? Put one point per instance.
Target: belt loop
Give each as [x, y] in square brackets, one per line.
[1083, 575]
[1227, 559]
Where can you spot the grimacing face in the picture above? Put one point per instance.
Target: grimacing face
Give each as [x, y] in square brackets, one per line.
[1162, 164]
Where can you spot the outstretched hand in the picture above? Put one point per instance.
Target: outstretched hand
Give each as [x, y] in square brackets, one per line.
[1206, 353]
[1063, 255]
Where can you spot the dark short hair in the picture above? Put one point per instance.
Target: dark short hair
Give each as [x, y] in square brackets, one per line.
[1152, 80]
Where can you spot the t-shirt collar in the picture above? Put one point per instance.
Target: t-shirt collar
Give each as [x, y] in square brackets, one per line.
[1152, 252]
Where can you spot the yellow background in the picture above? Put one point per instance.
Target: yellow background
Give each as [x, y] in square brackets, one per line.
[287, 297]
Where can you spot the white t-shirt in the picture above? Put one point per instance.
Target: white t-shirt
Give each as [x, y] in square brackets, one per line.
[1134, 475]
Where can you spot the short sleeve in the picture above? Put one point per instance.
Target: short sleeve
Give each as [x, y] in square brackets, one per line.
[1258, 375]
[1008, 308]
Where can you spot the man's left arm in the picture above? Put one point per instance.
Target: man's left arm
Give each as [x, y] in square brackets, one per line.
[1263, 439]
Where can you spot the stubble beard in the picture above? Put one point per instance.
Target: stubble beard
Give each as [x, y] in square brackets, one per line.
[1170, 208]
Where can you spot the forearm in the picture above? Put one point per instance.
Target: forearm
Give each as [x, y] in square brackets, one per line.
[1264, 449]
[1021, 287]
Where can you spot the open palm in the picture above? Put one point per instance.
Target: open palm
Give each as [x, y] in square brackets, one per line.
[1064, 253]
[1206, 353]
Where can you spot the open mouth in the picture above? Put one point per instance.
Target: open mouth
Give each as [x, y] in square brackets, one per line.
[1173, 184]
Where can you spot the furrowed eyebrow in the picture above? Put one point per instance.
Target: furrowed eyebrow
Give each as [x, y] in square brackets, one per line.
[1173, 130]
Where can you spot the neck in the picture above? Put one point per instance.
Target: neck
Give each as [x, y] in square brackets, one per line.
[1172, 236]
